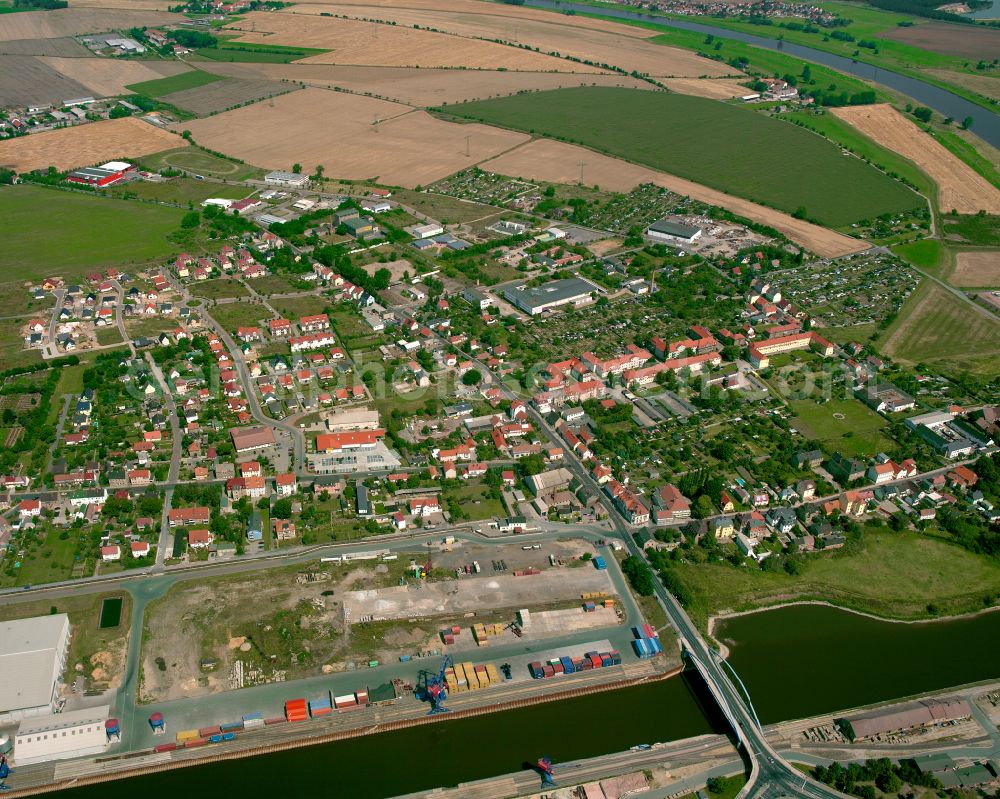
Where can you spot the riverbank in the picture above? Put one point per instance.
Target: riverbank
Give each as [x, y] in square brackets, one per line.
[403, 714]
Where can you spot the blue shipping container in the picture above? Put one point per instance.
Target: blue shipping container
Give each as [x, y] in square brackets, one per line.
[229, 736]
[252, 717]
[231, 725]
[404, 658]
[640, 648]
[654, 645]
[567, 664]
[215, 739]
[605, 660]
[637, 632]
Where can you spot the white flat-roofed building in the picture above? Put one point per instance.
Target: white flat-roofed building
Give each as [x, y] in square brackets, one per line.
[286, 179]
[666, 230]
[59, 736]
[32, 659]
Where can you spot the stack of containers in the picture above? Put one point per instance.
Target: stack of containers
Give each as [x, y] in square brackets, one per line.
[231, 726]
[649, 632]
[187, 735]
[589, 607]
[616, 657]
[251, 720]
[208, 732]
[536, 670]
[479, 633]
[451, 681]
[320, 706]
[295, 710]
[567, 665]
[469, 672]
[195, 742]
[491, 671]
[482, 677]
[642, 648]
[447, 637]
[345, 702]
[361, 697]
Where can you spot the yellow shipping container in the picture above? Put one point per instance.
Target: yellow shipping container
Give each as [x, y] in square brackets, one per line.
[470, 676]
[187, 735]
[494, 676]
[484, 679]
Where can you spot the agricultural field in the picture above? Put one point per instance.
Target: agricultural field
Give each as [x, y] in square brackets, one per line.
[224, 95]
[77, 231]
[717, 89]
[895, 575]
[557, 162]
[406, 147]
[192, 159]
[60, 48]
[255, 53]
[107, 77]
[75, 21]
[976, 269]
[622, 46]
[183, 81]
[69, 148]
[778, 165]
[964, 41]
[840, 425]
[981, 229]
[960, 188]
[936, 327]
[26, 79]
[419, 87]
[350, 41]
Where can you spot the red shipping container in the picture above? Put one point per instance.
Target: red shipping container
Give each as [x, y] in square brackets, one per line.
[587, 665]
[208, 732]
[295, 710]
[595, 661]
[558, 667]
[164, 747]
[548, 671]
[275, 720]
[194, 743]
[321, 711]
[649, 632]
[350, 707]
[456, 630]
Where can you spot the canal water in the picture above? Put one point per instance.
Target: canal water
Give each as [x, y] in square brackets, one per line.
[804, 660]
[985, 123]
[448, 752]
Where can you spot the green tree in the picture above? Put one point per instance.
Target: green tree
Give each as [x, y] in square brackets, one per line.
[297, 169]
[190, 220]
[282, 509]
[966, 123]
[472, 378]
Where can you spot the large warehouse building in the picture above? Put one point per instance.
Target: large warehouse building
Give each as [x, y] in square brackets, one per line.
[536, 300]
[32, 658]
[104, 175]
[59, 736]
[902, 718]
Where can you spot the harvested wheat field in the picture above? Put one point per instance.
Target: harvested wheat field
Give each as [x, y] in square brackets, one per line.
[69, 148]
[74, 21]
[225, 94]
[557, 162]
[617, 45]
[105, 77]
[959, 186]
[976, 269]
[407, 147]
[712, 88]
[418, 87]
[132, 5]
[370, 43]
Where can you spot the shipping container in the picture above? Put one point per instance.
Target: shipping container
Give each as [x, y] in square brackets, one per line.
[208, 732]
[557, 667]
[616, 657]
[229, 736]
[194, 743]
[567, 665]
[637, 633]
[456, 630]
[345, 700]
[253, 720]
[295, 710]
[187, 735]
[215, 739]
[649, 632]
[406, 658]
[606, 661]
[548, 671]
[275, 720]
[535, 669]
[164, 747]
[599, 563]
[229, 726]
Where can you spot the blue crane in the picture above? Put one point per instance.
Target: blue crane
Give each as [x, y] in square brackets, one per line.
[433, 689]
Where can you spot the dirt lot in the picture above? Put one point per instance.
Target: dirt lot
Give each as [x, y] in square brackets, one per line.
[74, 21]
[557, 162]
[941, 37]
[313, 126]
[215, 97]
[95, 142]
[620, 45]
[106, 77]
[419, 87]
[26, 80]
[717, 89]
[356, 42]
[68, 48]
[976, 269]
[959, 186]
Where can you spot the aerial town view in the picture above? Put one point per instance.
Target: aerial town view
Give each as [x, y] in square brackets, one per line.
[479, 399]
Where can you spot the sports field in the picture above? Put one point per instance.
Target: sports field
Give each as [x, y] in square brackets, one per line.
[49, 231]
[199, 162]
[727, 147]
[935, 326]
[844, 424]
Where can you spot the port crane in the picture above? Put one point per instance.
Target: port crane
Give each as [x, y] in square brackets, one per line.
[5, 772]
[433, 689]
[544, 767]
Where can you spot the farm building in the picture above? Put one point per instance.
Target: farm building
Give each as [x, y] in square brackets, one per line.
[292, 179]
[32, 657]
[665, 230]
[63, 735]
[103, 175]
[571, 291]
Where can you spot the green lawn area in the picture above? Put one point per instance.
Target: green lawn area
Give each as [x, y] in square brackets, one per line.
[220, 288]
[179, 190]
[777, 164]
[935, 326]
[447, 210]
[238, 314]
[273, 284]
[857, 433]
[980, 230]
[294, 307]
[472, 497]
[12, 343]
[258, 53]
[894, 575]
[925, 254]
[50, 231]
[200, 162]
[108, 335]
[727, 788]
[175, 83]
[49, 562]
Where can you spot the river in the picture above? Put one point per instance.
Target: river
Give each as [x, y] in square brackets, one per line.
[796, 661]
[805, 660]
[985, 123]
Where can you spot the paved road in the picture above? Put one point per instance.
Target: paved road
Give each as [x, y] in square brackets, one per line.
[175, 460]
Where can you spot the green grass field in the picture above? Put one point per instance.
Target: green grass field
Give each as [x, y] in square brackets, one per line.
[844, 425]
[894, 575]
[934, 326]
[175, 83]
[49, 231]
[979, 230]
[179, 190]
[200, 162]
[219, 288]
[926, 253]
[238, 314]
[257, 53]
[727, 147]
[845, 135]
